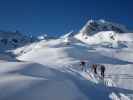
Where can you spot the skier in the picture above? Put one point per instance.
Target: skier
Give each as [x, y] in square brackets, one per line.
[102, 70]
[112, 37]
[83, 65]
[94, 67]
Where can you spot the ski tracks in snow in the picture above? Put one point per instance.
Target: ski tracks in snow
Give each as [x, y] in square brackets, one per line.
[116, 95]
[107, 82]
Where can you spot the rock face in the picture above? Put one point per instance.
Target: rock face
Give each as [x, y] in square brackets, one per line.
[94, 26]
[11, 40]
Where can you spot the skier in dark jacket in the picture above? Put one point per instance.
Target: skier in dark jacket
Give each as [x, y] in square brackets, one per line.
[94, 67]
[83, 65]
[102, 70]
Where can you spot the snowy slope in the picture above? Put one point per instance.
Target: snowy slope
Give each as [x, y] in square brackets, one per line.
[64, 57]
[107, 38]
[50, 70]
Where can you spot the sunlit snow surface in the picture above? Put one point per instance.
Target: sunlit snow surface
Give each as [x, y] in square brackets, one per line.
[50, 70]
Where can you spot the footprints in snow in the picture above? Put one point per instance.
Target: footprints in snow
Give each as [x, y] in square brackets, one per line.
[114, 95]
[107, 82]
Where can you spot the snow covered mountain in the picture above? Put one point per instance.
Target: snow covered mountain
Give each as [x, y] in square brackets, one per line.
[12, 40]
[94, 26]
[50, 69]
[101, 32]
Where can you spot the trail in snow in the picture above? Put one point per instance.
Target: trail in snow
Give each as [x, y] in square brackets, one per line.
[51, 66]
[59, 55]
[116, 94]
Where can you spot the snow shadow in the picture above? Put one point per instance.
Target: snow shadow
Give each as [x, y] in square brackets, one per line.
[83, 53]
[7, 56]
[97, 91]
[39, 71]
[120, 76]
[63, 81]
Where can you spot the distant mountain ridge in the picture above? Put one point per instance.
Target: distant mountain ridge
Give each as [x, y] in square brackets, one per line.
[12, 40]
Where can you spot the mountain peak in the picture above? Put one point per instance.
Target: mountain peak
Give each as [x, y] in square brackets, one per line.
[94, 26]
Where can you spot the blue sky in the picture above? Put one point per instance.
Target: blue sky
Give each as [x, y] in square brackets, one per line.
[61, 16]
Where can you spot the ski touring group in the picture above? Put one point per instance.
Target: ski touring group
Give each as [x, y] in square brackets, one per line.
[94, 68]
